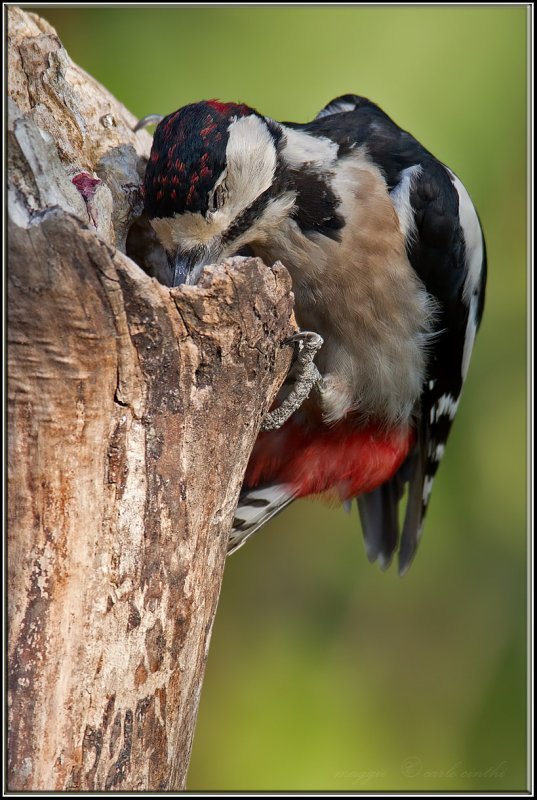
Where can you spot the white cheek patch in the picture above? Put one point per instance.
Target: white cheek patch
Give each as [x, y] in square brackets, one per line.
[251, 163]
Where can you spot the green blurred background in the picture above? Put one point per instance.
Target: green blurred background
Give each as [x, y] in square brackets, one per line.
[324, 673]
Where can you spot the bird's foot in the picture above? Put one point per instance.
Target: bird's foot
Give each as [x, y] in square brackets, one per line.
[306, 377]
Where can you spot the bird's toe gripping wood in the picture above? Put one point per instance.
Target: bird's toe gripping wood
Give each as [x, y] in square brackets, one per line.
[306, 377]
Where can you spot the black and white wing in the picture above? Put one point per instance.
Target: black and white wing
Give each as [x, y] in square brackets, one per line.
[448, 253]
[445, 245]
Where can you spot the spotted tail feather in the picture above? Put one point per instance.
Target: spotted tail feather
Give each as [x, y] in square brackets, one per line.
[256, 506]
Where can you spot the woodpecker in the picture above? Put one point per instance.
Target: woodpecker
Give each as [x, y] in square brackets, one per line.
[388, 264]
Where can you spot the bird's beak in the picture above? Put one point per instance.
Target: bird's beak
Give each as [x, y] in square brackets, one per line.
[187, 267]
[180, 268]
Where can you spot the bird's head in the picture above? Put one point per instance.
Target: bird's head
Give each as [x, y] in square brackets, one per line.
[214, 184]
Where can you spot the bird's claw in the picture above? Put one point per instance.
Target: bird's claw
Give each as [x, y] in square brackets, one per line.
[306, 377]
[149, 119]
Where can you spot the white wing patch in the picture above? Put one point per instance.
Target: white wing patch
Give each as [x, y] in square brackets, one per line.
[469, 337]
[302, 147]
[400, 197]
[446, 405]
[473, 242]
[473, 239]
[435, 451]
[427, 488]
[439, 452]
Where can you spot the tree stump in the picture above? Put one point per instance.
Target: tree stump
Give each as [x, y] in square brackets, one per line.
[132, 411]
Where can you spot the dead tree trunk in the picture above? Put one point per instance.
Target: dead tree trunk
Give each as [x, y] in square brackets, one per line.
[132, 412]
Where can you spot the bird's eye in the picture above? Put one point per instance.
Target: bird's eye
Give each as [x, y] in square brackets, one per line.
[216, 201]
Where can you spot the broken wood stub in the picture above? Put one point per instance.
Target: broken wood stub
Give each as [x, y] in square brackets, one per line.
[132, 411]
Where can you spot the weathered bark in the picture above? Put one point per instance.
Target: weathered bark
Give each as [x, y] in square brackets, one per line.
[132, 412]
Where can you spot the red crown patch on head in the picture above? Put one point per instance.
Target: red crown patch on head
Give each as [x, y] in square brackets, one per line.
[229, 109]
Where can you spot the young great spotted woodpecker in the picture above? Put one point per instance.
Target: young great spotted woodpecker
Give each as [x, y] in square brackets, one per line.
[388, 264]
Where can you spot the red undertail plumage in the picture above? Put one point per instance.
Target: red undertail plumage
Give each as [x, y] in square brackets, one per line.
[341, 458]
